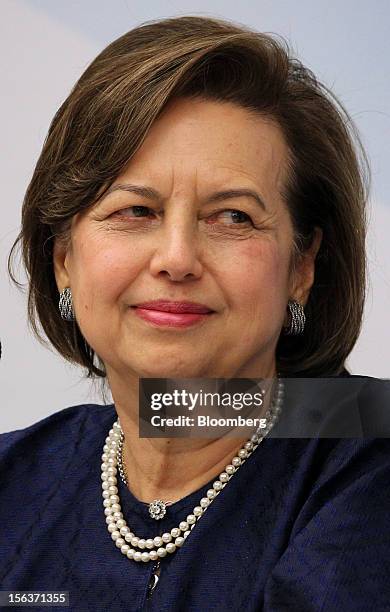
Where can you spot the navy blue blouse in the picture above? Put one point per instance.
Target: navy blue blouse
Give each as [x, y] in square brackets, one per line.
[302, 526]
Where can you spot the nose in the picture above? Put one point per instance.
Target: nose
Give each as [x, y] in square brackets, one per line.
[177, 250]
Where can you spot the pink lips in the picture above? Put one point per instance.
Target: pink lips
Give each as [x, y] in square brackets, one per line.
[174, 314]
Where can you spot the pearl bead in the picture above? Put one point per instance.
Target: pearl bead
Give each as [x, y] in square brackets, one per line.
[179, 541]
[108, 511]
[129, 536]
[112, 527]
[145, 557]
[105, 485]
[248, 445]
[106, 495]
[149, 543]
[110, 519]
[204, 502]
[191, 519]
[166, 537]
[230, 469]
[115, 535]
[223, 477]
[236, 461]
[124, 529]
[171, 547]
[130, 553]
[198, 511]
[137, 556]
[121, 523]
[175, 532]
[117, 515]
[106, 503]
[111, 471]
[158, 541]
[211, 493]
[112, 480]
[113, 489]
[125, 548]
[242, 453]
[141, 543]
[115, 507]
[134, 541]
[114, 499]
[161, 552]
[184, 525]
[119, 542]
[153, 555]
[217, 485]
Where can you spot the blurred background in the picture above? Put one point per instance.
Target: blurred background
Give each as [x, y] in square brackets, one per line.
[47, 44]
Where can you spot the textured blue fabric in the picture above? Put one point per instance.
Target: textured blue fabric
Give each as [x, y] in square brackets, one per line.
[302, 526]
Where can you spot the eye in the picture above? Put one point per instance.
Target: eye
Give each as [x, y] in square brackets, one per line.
[238, 217]
[137, 211]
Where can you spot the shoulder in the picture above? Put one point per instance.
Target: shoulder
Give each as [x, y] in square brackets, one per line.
[373, 404]
[366, 380]
[369, 391]
[381, 385]
[56, 434]
[345, 406]
[377, 387]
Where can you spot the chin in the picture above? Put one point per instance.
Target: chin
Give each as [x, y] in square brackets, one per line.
[178, 369]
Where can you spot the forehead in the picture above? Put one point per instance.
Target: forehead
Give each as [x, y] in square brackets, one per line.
[209, 142]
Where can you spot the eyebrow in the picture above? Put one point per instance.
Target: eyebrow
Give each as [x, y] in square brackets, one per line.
[219, 196]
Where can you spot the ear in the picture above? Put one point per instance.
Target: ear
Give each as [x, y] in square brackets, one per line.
[305, 269]
[61, 264]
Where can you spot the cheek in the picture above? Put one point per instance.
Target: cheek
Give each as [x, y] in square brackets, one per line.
[103, 272]
[258, 277]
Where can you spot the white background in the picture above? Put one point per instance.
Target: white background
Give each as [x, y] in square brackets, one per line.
[47, 44]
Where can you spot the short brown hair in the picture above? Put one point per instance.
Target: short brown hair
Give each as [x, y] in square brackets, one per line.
[105, 119]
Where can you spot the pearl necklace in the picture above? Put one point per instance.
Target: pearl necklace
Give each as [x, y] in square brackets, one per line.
[167, 543]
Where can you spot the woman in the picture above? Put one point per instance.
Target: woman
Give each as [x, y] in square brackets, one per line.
[197, 211]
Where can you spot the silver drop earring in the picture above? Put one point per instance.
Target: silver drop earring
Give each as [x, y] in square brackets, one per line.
[66, 305]
[297, 319]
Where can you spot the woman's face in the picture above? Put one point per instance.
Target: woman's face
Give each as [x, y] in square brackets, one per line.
[232, 254]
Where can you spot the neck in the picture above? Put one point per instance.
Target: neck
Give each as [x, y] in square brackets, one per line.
[168, 468]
